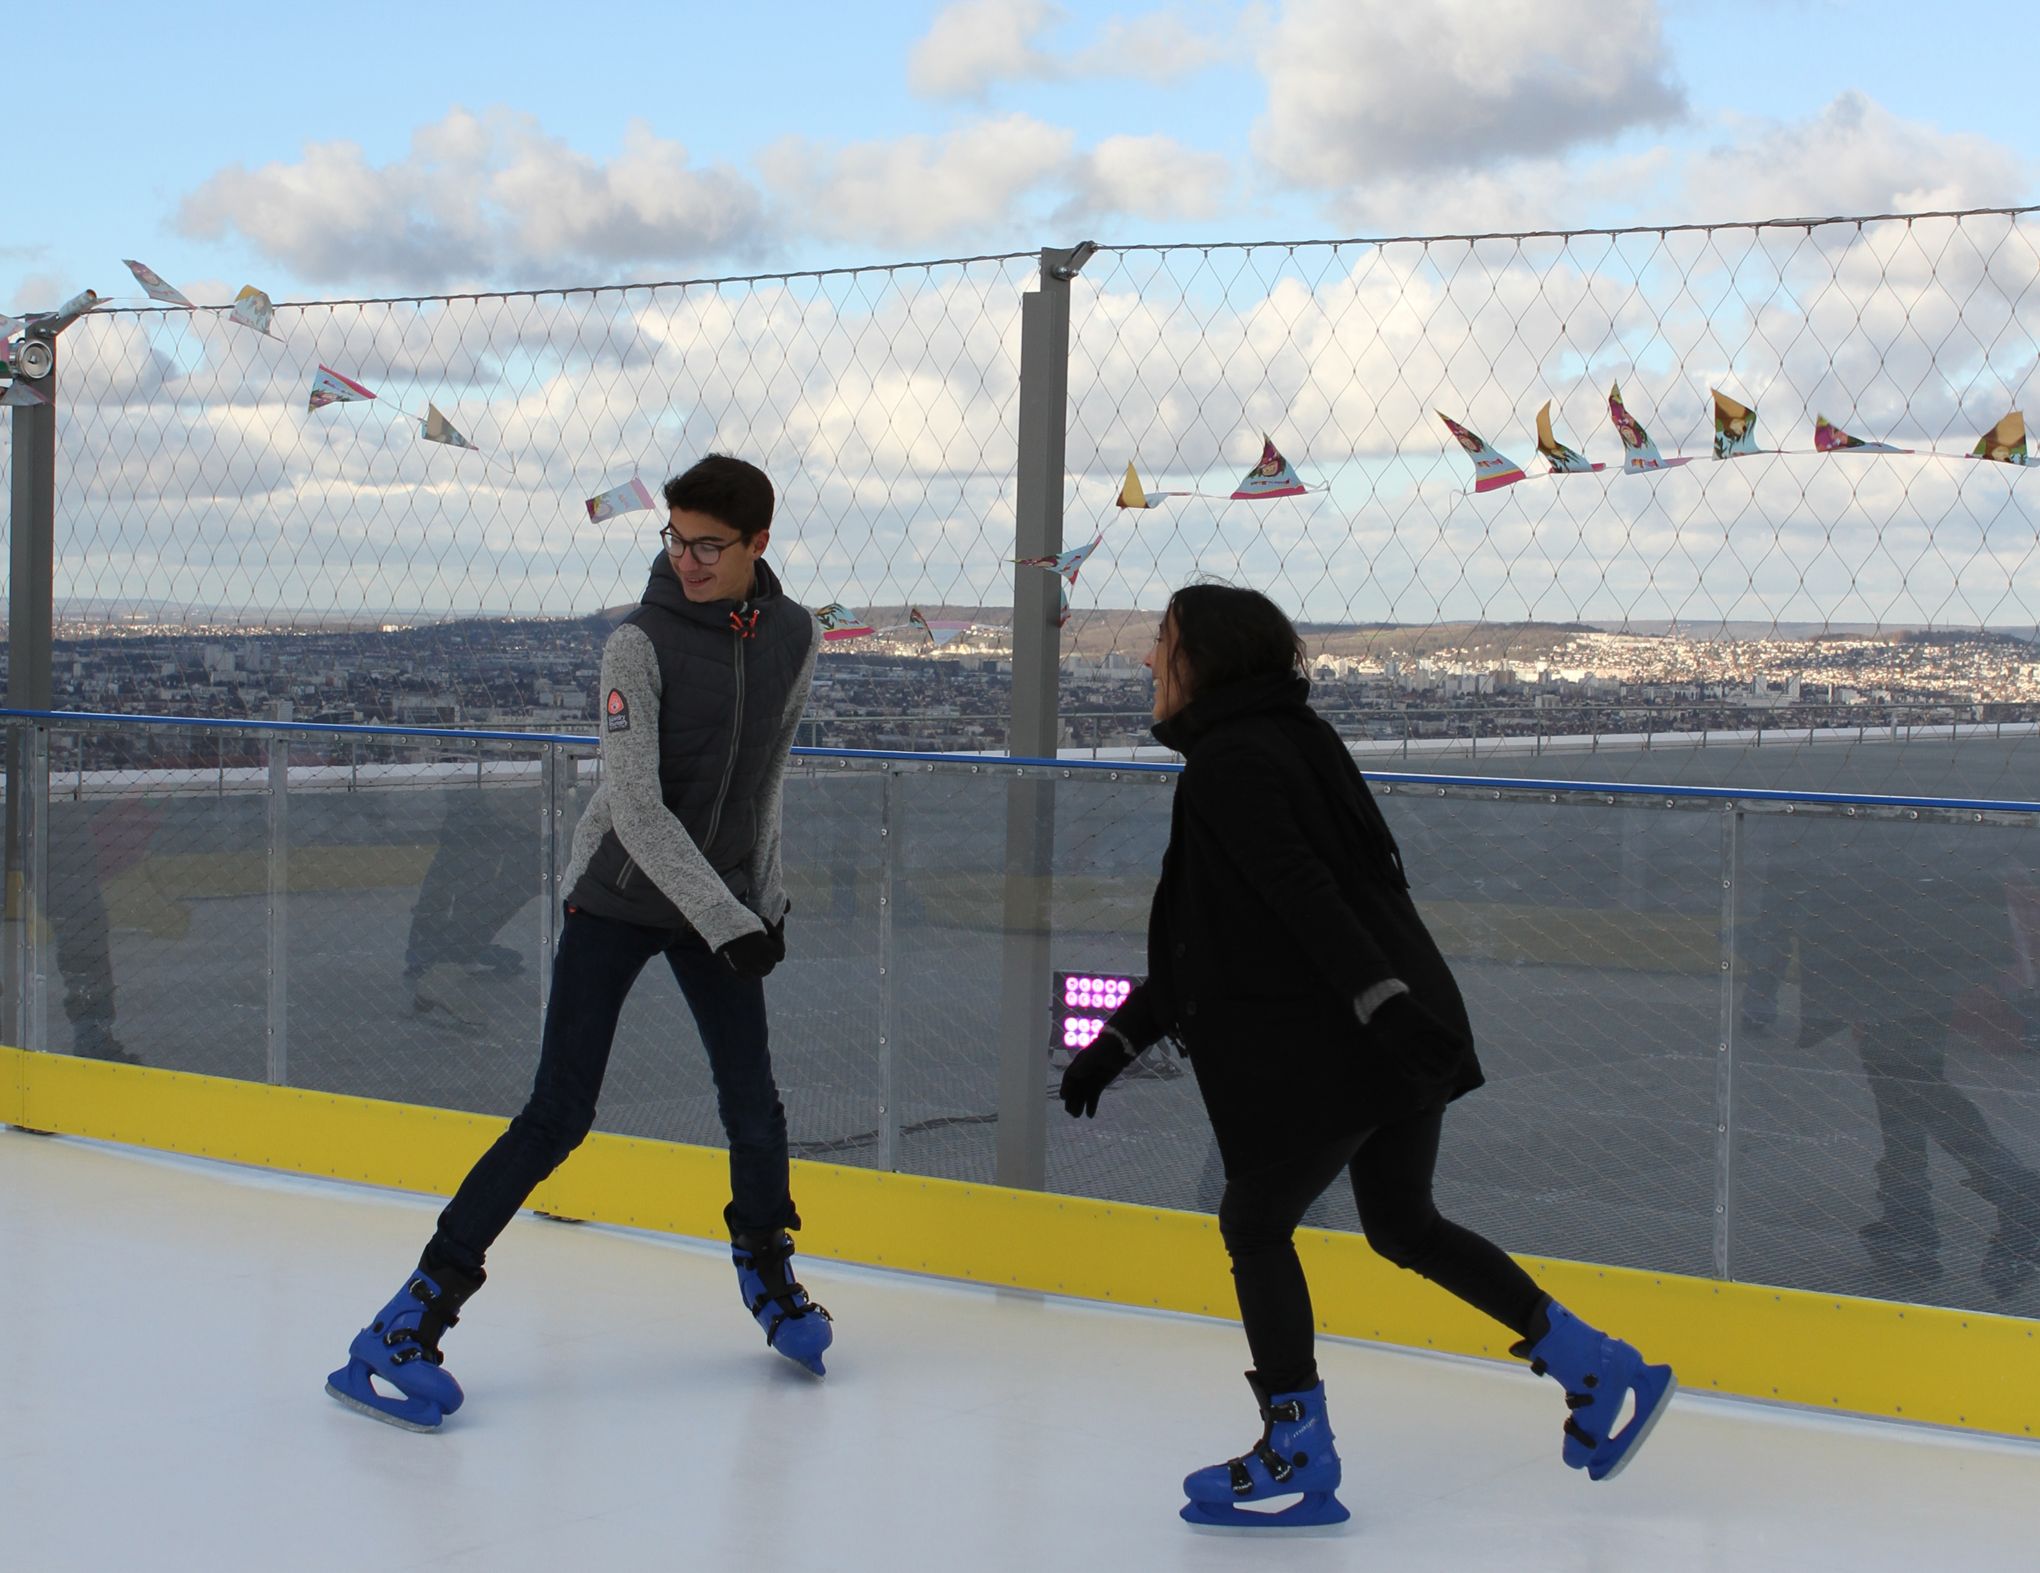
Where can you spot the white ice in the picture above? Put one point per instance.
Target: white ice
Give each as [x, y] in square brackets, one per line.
[167, 1326]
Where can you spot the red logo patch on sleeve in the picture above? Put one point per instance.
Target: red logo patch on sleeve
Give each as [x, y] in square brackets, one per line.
[619, 711]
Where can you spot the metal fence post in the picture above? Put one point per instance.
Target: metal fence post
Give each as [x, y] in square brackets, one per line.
[550, 872]
[1040, 479]
[36, 829]
[1724, 1056]
[31, 547]
[888, 994]
[277, 1070]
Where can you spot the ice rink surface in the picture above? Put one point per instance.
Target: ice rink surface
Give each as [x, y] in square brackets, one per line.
[167, 1326]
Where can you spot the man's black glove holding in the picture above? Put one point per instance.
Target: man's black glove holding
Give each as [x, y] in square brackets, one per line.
[1094, 1069]
[755, 955]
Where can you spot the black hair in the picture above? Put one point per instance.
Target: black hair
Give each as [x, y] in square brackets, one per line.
[727, 489]
[1225, 634]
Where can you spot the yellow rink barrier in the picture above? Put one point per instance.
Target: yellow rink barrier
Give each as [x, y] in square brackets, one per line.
[1830, 1352]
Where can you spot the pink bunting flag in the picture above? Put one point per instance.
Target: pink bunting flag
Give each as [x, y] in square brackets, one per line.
[152, 281]
[839, 622]
[630, 497]
[329, 387]
[939, 630]
[1639, 452]
[1272, 477]
[1491, 471]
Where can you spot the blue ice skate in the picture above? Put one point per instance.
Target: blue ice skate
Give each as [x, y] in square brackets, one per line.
[401, 1345]
[1599, 1374]
[794, 1325]
[1294, 1457]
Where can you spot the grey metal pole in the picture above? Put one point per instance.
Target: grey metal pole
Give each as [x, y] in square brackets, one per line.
[36, 835]
[550, 870]
[1724, 1055]
[278, 1068]
[888, 966]
[1040, 480]
[30, 621]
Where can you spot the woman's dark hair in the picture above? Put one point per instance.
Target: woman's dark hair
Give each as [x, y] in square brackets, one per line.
[727, 489]
[1225, 634]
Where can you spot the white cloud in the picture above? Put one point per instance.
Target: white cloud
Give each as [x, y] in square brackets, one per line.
[1149, 177]
[1364, 89]
[480, 196]
[973, 44]
[914, 191]
[1854, 157]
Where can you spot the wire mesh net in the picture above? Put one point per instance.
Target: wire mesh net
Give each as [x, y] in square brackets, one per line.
[1785, 1041]
[201, 501]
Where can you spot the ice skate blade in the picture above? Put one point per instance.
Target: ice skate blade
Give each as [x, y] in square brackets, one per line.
[1639, 1430]
[1314, 1512]
[361, 1406]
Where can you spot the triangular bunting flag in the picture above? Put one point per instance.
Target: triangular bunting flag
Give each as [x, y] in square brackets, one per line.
[152, 281]
[329, 387]
[1735, 427]
[630, 497]
[437, 428]
[1639, 452]
[252, 309]
[1563, 460]
[1830, 438]
[1491, 471]
[2004, 443]
[1272, 477]
[839, 622]
[939, 630]
[1069, 564]
[1134, 495]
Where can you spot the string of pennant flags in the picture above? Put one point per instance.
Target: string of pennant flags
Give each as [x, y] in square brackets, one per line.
[1735, 437]
[1272, 478]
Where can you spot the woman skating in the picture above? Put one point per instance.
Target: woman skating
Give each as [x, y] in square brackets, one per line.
[1287, 960]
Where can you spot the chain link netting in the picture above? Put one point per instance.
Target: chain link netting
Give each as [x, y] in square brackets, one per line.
[1783, 1041]
[200, 499]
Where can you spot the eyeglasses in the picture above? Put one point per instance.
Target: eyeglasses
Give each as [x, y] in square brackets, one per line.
[705, 551]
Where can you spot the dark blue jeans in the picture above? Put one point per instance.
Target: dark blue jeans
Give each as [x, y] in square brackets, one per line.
[597, 962]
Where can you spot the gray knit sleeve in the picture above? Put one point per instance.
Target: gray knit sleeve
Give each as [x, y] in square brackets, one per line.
[650, 832]
[767, 887]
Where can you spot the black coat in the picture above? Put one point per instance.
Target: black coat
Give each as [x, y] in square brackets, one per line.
[1282, 900]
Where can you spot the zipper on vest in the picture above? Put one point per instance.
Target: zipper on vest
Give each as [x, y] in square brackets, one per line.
[736, 739]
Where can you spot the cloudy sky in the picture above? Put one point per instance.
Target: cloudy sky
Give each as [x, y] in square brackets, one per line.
[382, 150]
[386, 147]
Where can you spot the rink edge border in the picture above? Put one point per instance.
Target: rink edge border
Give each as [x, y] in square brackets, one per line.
[1924, 1364]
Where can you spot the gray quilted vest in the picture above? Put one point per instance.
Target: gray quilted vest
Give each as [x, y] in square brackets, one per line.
[726, 672]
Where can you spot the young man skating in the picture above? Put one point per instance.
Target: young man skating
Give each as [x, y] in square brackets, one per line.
[676, 856]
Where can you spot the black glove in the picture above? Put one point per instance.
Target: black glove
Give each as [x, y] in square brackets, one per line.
[1094, 1069]
[755, 955]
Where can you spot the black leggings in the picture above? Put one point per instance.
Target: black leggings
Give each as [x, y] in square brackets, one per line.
[1391, 1169]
